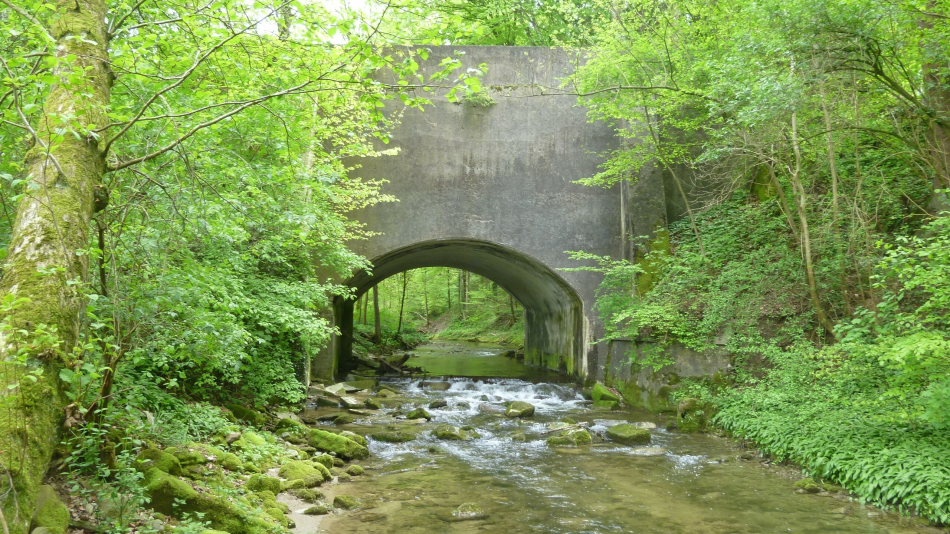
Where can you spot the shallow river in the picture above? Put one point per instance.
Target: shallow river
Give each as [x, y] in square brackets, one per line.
[680, 483]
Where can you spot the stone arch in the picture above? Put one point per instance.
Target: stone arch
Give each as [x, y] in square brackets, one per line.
[554, 314]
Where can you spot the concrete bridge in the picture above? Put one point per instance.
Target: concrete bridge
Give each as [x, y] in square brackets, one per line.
[491, 189]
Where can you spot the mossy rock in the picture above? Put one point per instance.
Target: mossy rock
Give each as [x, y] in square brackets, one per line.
[160, 460]
[247, 415]
[311, 474]
[355, 471]
[318, 509]
[600, 392]
[629, 434]
[519, 437]
[341, 475]
[254, 439]
[394, 437]
[249, 467]
[341, 445]
[449, 432]
[520, 409]
[419, 413]
[373, 404]
[292, 484]
[173, 496]
[346, 502]
[278, 515]
[338, 462]
[308, 495]
[353, 436]
[290, 425]
[570, 438]
[188, 458]
[263, 483]
[50, 512]
[807, 485]
[343, 419]
[324, 459]
[230, 462]
[211, 531]
[606, 404]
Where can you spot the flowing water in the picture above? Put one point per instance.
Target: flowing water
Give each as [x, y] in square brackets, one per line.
[680, 483]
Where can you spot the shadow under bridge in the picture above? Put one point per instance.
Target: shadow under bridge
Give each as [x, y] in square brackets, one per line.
[553, 311]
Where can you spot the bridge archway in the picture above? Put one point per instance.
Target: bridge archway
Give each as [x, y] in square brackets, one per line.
[554, 314]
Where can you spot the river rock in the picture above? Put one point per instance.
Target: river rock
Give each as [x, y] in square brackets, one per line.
[606, 405]
[450, 432]
[373, 404]
[437, 386]
[419, 413]
[468, 512]
[648, 451]
[339, 444]
[50, 512]
[488, 408]
[336, 389]
[318, 509]
[629, 434]
[346, 502]
[570, 438]
[393, 437]
[350, 402]
[354, 437]
[520, 409]
[807, 485]
[327, 402]
[438, 403]
[601, 392]
[359, 385]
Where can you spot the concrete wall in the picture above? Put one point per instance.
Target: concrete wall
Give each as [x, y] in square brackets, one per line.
[503, 174]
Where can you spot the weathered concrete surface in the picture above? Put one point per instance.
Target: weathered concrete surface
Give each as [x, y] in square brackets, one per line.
[491, 189]
[643, 387]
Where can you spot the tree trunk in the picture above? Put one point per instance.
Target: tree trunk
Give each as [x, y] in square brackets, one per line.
[464, 295]
[402, 301]
[448, 289]
[806, 237]
[937, 99]
[365, 308]
[378, 335]
[52, 224]
[425, 296]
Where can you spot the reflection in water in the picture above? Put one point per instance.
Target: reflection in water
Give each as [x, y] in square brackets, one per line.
[680, 483]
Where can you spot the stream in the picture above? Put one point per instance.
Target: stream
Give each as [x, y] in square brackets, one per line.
[679, 483]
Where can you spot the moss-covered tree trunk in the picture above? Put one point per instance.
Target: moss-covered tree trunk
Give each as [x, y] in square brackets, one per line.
[64, 167]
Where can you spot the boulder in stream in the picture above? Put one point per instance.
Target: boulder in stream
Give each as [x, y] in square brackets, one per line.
[419, 413]
[629, 434]
[520, 409]
[393, 437]
[318, 509]
[438, 403]
[468, 512]
[571, 437]
[339, 444]
[450, 432]
[601, 392]
[346, 502]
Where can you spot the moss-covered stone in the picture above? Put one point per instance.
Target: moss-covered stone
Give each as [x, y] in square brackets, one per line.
[449, 432]
[372, 404]
[570, 438]
[324, 459]
[606, 404]
[163, 461]
[807, 485]
[600, 392]
[343, 419]
[419, 413]
[394, 437]
[230, 462]
[355, 471]
[292, 484]
[629, 434]
[247, 415]
[263, 483]
[520, 409]
[346, 502]
[50, 512]
[342, 446]
[324, 471]
[318, 509]
[173, 496]
[308, 495]
[310, 474]
[353, 436]
[278, 515]
[288, 424]
[253, 439]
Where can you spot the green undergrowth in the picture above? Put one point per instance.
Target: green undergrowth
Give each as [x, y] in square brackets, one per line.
[495, 326]
[869, 411]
